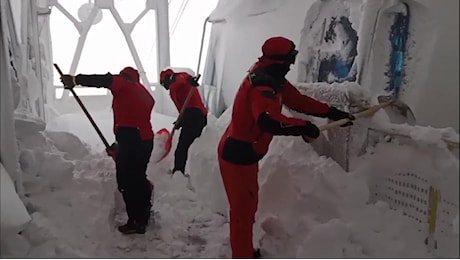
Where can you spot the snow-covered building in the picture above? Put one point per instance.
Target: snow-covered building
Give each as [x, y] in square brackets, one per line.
[365, 28]
[382, 188]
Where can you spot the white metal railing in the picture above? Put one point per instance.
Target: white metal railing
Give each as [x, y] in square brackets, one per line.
[160, 7]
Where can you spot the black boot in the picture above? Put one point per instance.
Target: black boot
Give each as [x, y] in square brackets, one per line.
[132, 228]
[257, 253]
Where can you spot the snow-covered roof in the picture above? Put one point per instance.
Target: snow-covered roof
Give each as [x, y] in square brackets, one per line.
[235, 9]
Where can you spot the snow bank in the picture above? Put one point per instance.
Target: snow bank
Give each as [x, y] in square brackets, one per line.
[14, 215]
[57, 166]
[204, 167]
[455, 225]
[405, 174]
[43, 236]
[335, 219]
[78, 124]
[423, 135]
[44, 165]
[308, 206]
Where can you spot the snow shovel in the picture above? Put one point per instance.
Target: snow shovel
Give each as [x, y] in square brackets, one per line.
[370, 111]
[107, 146]
[398, 111]
[168, 144]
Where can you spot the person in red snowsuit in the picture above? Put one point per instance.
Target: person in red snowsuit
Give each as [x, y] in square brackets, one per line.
[193, 119]
[132, 106]
[256, 118]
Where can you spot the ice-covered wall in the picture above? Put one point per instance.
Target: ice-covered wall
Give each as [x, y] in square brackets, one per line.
[442, 78]
[8, 147]
[13, 213]
[431, 69]
[430, 72]
[329, 32]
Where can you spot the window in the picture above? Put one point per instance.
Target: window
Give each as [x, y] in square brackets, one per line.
[338, 52]
[398, 38]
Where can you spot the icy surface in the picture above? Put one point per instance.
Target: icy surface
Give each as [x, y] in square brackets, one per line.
[309, 206]
[13, 213]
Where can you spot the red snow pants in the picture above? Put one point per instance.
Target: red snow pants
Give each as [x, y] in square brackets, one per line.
[242, 190]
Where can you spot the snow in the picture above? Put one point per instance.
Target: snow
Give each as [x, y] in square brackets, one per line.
[230, 10]
[72, 197]
[428, 25]
[312, 41]
[13, 213]
[438, 79]
[75, 217]
[335, 219]
[309, 206]
[455, 225]
[426, 135]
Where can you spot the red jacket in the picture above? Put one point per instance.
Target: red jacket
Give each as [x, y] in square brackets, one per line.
[250, 102]
[179, 89]
[132, 105]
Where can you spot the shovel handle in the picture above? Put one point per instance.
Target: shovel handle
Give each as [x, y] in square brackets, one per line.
[367, 112]
[187, 99]
[84, 110]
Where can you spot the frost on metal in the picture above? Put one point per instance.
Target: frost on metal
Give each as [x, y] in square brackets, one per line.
[328, 44]
[348, 96]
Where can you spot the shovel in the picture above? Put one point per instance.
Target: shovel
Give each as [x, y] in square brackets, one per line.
[398, 111]
[369, 111]
[107, 145]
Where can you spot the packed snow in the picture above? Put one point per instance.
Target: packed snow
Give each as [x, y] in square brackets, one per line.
[75, 207]
[58, 187]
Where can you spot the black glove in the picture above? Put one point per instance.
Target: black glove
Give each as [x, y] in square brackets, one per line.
[336, 114]
[166, 82]
[176, 125]
[112, 151]
[68, 81]
[311, 132]
[193, 81]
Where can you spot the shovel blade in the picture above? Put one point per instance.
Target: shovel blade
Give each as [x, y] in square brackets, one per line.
[398, 111]
[163, 144]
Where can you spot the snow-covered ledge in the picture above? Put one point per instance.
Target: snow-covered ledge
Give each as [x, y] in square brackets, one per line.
[422, 135]
[340, 143]
[8, 146]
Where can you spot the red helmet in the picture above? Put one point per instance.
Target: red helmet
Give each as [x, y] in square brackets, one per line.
[165, 73]
[131, 73]
[279, 50]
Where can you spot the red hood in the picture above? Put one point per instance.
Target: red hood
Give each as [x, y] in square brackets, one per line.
[131, 72]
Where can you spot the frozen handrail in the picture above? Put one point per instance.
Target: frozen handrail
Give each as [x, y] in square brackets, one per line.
[451, 145]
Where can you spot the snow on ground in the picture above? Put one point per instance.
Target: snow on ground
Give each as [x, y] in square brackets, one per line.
[14, 216]
[324, 212]
[309, 207]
